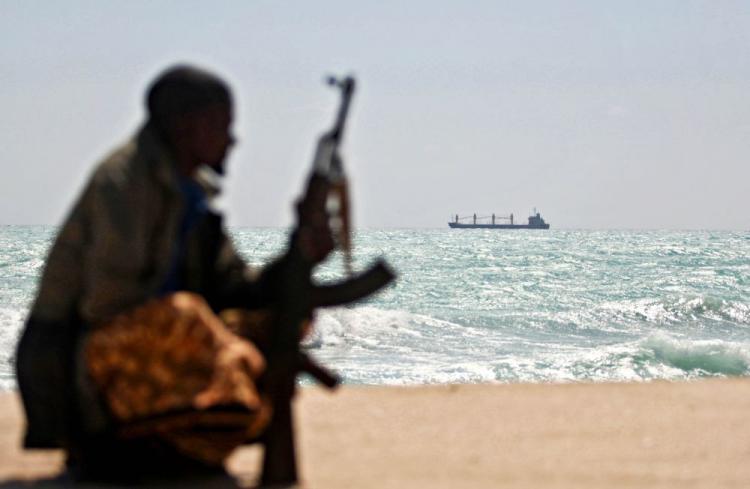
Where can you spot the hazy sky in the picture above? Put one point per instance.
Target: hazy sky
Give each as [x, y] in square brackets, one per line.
[602, 114]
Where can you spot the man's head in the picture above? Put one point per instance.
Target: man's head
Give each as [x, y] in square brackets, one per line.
[192, 109]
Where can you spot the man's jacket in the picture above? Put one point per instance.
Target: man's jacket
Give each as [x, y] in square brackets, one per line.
[114, 252]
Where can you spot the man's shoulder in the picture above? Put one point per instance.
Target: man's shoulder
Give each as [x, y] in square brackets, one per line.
[117, 164]
[126, 163]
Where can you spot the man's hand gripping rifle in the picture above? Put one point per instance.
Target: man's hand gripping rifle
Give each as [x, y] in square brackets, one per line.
[323, 224]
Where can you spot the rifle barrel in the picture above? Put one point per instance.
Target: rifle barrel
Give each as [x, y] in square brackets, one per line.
[347, 86]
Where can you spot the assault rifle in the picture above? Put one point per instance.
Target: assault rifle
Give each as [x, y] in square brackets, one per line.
[326, 195]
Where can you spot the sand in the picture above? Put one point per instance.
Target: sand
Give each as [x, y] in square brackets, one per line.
[642, 435]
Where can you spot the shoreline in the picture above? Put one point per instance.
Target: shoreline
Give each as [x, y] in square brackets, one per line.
[582, 435]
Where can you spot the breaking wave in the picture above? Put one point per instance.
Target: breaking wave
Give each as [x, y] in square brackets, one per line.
[679, 309]
[697, 358]
[373, 346]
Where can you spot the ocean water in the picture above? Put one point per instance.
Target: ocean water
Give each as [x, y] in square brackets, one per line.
[500, 306]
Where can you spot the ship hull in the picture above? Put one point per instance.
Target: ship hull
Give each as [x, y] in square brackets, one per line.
[458, 225]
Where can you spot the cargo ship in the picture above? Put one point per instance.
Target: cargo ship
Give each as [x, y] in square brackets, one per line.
[497, 222]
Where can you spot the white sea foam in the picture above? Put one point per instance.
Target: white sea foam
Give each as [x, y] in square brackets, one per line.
[678, 309]
[11, 321]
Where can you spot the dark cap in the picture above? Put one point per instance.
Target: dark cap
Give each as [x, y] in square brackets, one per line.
[182, 89]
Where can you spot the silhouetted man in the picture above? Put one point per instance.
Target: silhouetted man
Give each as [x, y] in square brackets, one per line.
[124, 328]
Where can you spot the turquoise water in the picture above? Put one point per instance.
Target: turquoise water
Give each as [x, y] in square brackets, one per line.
[501, 306]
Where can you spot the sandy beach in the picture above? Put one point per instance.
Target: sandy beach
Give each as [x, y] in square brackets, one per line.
[643, 435]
